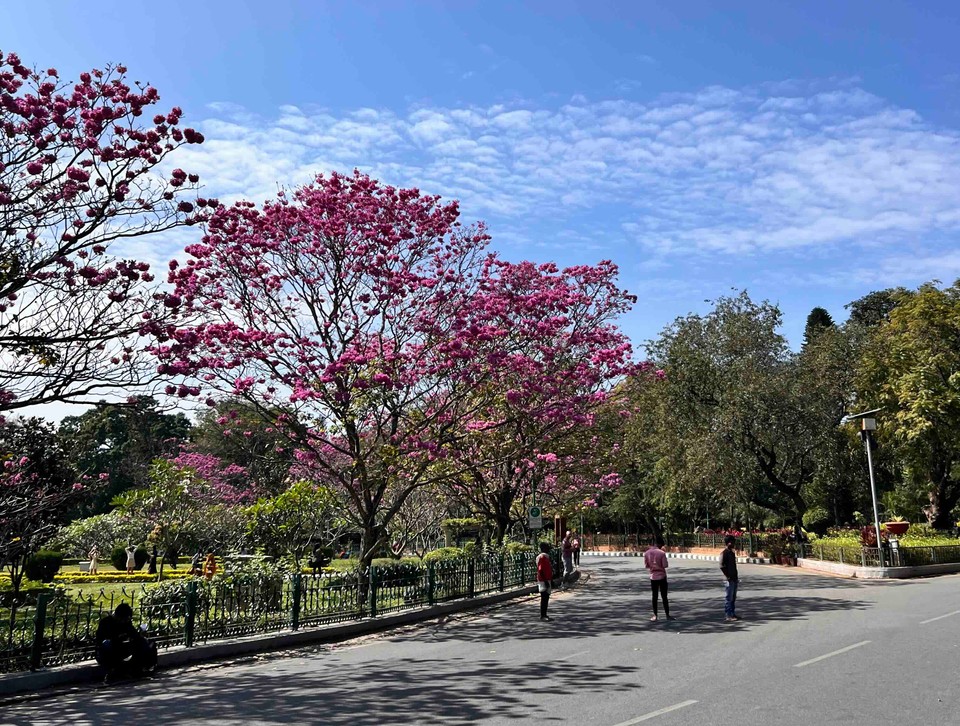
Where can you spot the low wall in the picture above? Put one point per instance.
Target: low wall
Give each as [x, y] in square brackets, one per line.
[877, 573]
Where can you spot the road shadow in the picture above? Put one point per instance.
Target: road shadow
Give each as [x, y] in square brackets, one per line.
[612, 606]
[389, 691]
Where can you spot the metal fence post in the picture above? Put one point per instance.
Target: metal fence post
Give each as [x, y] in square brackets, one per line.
[471, 577]
[296, 582]
[523, 568]
[373, 592]
[432, 583]
[863, 556]
[841, 555]
[933, 555]
[503, 572]
[190, 621]
[39, 625]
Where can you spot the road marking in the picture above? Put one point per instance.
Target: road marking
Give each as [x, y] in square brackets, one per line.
[830, 655]
[573, 655]
[654, 714]
[939, 617]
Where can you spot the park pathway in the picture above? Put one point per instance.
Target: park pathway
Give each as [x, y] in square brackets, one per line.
[810, 649]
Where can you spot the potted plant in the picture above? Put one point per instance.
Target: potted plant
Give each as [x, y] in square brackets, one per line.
[897, 526]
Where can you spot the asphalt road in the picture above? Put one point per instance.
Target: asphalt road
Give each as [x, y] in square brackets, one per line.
[810, 650]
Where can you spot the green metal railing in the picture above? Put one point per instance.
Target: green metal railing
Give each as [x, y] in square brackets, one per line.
[892, 556]
[58, 629]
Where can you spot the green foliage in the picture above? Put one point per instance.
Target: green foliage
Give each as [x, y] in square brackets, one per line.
[818, 321]
[118, 558]
[121, 441]
[444, 554]
[43, 565]
[105, 531]
[296, 520]
[816, 519]
[458, 527]
[515, 548]
[911, 368]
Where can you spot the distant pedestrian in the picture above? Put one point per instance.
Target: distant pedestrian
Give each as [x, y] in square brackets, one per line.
[195, 563]
[566, 551]
[210, 566]
[131, 559]
[728, 566]
[576, 551]
[152, 568]
[544, 578]
[94, 555]
[655, 560]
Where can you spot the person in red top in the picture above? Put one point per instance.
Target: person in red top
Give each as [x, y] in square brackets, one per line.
[655, 560]
[544, 578]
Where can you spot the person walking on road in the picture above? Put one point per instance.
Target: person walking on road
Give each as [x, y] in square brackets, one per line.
[655, 560]
[728, 566]
[566, 550]
[544, 578]
[576, 550]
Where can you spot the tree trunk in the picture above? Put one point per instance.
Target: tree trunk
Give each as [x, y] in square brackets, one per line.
[943, 498]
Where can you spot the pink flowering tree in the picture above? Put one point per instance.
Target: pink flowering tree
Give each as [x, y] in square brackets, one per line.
[229, 483]
[371, 327]
[79, 171]
[341, 314]
[564, 353]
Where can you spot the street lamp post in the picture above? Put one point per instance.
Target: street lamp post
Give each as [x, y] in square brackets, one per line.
[867, 427]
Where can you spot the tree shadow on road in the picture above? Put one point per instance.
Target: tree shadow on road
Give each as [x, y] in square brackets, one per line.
[389, 691]
[609, 608]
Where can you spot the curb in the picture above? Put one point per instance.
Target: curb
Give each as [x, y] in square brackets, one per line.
[680, 556]
[88, 671]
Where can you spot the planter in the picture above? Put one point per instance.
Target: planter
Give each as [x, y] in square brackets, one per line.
[896, 528]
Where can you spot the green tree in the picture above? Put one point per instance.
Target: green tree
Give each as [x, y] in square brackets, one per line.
[171, 510]
[121, 440]
[911, 368]
[296, 520]
[818, 321]
[751, 420]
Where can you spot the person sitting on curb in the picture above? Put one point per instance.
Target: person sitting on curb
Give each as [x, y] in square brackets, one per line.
[121, 649]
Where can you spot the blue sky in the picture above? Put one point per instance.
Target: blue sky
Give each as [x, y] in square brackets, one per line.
[808, 152]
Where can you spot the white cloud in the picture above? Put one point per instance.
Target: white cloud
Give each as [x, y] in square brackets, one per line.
[785, 166]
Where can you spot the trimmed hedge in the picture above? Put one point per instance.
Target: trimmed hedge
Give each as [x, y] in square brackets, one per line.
[118, 558]
[78, 578]
[43, 565]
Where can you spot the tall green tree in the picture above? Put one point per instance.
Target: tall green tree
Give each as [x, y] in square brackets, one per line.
[818, 321]
[911, 368]
[121, 441]
[751, 419]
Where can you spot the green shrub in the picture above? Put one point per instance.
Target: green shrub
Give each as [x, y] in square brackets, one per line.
[118, 558]
[43, 565]
[444, 554]
[515, 548]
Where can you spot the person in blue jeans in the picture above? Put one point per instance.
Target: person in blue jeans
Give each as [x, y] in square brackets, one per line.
[728, 566]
